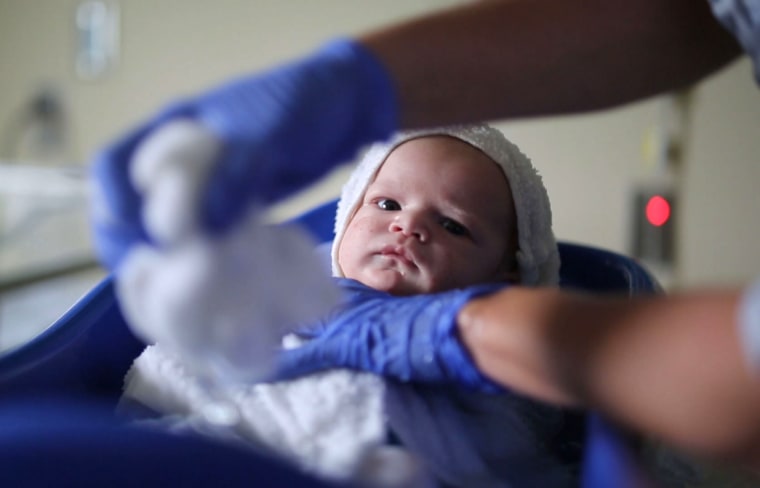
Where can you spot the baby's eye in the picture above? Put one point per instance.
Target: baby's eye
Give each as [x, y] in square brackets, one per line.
[388, 204]
[455, 228]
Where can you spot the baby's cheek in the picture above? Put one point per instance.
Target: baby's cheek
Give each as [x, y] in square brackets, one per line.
[344, 255]
[446, 275]
[346, 263]
[471, 269]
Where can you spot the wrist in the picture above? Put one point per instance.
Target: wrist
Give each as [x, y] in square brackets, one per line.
[512, 337]
[462, 366]
[375, 93]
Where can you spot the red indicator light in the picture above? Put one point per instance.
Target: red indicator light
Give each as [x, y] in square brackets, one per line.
[658, 210]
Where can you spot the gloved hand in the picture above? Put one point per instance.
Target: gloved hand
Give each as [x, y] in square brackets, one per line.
[410, 338]
[220, 304]
[279, 131]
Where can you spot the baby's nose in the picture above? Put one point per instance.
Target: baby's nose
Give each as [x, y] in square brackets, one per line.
[411, 224]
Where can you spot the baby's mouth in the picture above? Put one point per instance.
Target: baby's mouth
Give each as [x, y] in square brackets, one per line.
[400, 253]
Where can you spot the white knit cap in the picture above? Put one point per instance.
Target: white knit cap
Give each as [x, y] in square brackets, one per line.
[537, 255]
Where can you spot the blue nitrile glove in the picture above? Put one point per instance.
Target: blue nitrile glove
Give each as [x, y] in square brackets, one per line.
[409, 338]
[280, 131]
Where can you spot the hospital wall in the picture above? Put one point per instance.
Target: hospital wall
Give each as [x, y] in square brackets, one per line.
[590, 163]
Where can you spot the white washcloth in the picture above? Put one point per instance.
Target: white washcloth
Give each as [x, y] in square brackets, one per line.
[222, 302]
[537, 255]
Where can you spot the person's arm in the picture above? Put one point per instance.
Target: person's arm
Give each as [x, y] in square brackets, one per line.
[668, 366]
[504, 59]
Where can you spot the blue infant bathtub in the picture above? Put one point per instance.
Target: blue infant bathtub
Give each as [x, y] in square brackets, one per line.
[57, 393]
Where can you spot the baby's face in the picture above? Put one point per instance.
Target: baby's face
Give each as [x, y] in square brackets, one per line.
[439, 215]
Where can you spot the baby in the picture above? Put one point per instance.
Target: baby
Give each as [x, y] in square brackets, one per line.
[430, 211]
[448, 189]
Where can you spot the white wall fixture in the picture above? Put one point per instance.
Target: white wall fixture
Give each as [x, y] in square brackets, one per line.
[97, 38]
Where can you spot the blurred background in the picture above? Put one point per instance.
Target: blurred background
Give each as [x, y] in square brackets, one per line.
[672, 180]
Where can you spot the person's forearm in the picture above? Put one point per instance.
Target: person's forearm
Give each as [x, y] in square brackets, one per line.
[670, 366]
[503, 59]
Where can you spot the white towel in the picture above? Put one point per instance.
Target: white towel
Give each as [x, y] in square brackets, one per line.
[326, 423]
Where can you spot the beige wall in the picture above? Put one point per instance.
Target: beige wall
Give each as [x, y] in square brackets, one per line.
[169, 48]
[176, 47]
[591, 163]
[722, 218]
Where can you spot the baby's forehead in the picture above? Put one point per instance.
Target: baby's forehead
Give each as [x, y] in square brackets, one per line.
[467, 180]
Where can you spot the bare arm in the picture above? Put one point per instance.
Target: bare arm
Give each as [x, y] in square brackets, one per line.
[502, 59]
[669, 366]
